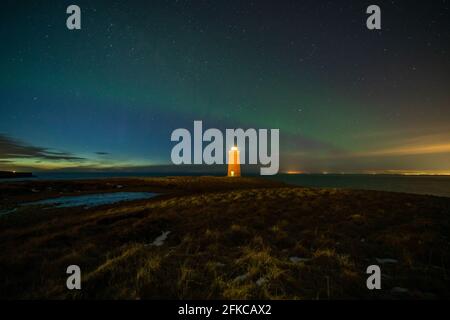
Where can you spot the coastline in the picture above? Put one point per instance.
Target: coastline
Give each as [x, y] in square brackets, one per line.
[437, 185]
[15, 175]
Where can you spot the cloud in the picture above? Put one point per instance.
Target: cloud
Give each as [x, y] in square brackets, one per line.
[299, 144]
[101, 153]
[11, 148]
[437, 143]
[409, 150]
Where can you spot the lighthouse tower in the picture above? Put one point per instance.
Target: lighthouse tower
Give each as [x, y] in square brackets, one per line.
[234, 167]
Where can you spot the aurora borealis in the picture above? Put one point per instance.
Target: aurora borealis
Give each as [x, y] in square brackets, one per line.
[346, 99]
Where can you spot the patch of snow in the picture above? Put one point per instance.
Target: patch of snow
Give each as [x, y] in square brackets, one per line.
[240, 278]
[5, 212]
[386, 260]
[399, 290]
[159, 241]
[298, 259]
[260, 281]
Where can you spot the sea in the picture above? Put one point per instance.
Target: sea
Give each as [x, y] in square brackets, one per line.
[423, 184]
[418, 184]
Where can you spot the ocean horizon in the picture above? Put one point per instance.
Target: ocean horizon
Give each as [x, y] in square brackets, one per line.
[436, 185]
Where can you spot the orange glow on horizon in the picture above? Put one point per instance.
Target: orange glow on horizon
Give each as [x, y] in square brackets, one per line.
[380, 172]
[294, 172]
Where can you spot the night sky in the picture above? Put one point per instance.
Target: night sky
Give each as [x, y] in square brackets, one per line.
[345, 98]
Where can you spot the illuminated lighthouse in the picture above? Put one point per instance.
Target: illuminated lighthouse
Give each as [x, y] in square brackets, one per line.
[234, 168]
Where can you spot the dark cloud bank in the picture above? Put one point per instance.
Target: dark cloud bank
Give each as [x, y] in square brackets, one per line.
[11, 148]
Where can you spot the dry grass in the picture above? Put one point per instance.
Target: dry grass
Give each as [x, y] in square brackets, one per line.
[230, 239]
